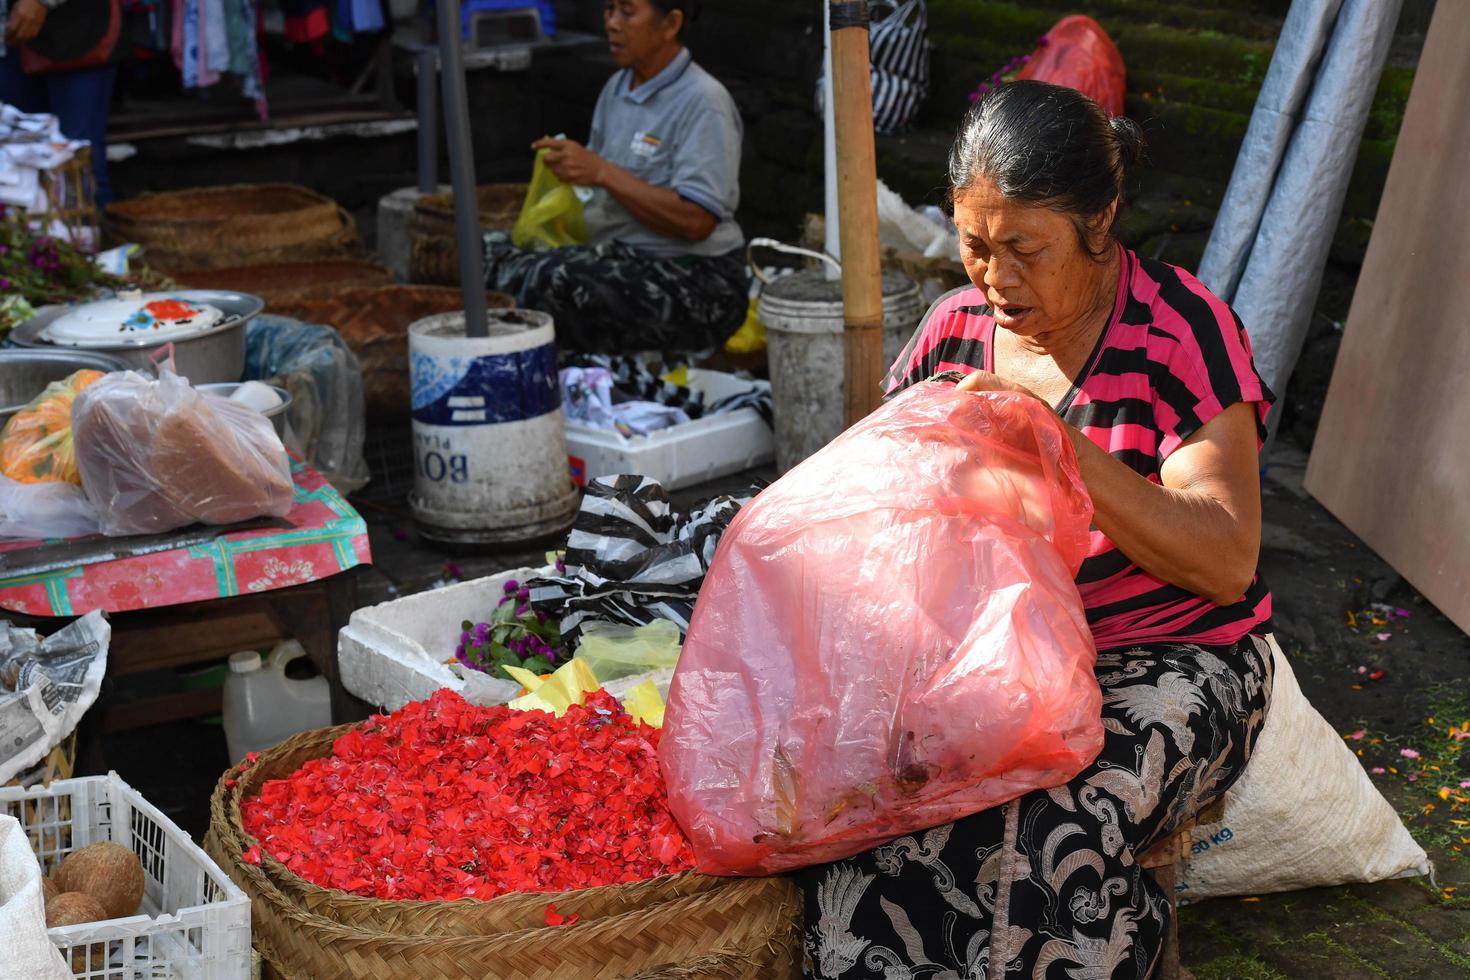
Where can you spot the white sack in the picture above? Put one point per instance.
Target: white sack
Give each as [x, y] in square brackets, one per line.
[28, 954]
[1304, 813]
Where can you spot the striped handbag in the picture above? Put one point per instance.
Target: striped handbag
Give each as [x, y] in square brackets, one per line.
[899, 53]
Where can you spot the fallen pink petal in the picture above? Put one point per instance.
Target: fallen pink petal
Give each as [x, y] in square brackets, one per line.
[1409, 753]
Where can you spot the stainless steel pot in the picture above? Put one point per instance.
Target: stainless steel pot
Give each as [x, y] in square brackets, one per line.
[276, 415]
[24, 374]
[214, 357]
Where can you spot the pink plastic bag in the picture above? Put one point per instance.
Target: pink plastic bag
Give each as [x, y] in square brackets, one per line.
[1079, 54]
[889, 639]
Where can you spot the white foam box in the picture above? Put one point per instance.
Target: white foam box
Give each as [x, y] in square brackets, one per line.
[681, 455]
[398, 651]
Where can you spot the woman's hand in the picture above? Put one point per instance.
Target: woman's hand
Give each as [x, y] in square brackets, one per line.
[978, 380]
[27, 18]
[568, 159]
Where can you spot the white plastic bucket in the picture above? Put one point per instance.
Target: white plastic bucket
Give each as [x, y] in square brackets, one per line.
[804, 323]
[490, 449]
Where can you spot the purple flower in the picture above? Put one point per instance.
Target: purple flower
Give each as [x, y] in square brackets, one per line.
[4, 283]
[511, 587]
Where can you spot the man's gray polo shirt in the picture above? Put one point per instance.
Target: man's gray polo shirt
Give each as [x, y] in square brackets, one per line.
[681, 130]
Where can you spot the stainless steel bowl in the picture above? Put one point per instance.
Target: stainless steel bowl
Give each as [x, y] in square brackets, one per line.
[24, 374]
[217, 356]
[276, 415]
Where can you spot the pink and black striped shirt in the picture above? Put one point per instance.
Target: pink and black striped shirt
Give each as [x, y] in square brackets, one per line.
[1172, 357]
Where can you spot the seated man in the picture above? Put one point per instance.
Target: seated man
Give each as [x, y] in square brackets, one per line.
[664, 268]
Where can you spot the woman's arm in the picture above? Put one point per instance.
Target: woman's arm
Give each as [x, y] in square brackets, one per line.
[656, 208]
[1200, 529]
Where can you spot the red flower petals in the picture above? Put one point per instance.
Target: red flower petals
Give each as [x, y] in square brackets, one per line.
[444, 799]
[555, 918]
[251, 855]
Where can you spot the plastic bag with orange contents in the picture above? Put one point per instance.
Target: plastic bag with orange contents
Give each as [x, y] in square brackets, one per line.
[36, 444]
[889, 638]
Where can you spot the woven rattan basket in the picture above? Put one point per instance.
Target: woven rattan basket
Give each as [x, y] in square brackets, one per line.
[433, 256]
[374, 321]
[241, 224]
[273, 280]
[672, 927]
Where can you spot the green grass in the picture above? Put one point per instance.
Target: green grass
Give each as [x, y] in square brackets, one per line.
[1236, 967]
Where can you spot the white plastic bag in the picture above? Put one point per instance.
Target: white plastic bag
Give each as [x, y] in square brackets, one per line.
[45, 510]
[1303, 815]
[28, 954]
[159, 455]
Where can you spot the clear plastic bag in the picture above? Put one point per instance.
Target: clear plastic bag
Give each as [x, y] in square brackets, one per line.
[616, 650]
[889, 638]
[45, 510]
[159, 455]
[552, 214]
[326, 424]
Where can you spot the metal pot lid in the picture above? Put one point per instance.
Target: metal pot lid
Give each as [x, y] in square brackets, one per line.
[139, 320]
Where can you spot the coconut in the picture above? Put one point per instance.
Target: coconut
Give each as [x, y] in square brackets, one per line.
[108, 872]
[48, 888]
[75, 908]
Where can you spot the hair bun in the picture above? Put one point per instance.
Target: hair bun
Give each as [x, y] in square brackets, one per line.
[1129, 140]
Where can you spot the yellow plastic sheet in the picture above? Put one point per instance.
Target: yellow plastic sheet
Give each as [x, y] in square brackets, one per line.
[644, 704]
[552, 213]
[570, 685]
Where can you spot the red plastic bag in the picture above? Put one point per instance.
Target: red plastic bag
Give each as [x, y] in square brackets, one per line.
[889, 638]
[1079, 54]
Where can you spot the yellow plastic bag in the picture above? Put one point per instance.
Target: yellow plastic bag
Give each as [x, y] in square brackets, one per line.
[552, 213]
[571, 684]
[751, 337]
[614, 651]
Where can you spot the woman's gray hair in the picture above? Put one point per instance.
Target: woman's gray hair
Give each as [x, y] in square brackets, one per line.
[1050, 146]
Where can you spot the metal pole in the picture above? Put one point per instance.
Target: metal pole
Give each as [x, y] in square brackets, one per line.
[428, 112]
[829, 147]
[462, 171]
[857, 205]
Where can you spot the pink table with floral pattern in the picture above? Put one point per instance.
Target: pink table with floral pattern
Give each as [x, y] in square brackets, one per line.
[241, 590]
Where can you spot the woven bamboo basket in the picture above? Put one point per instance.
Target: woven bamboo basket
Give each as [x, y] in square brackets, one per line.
[433, 255]
[241, 224]
[273, 280]
[671, 927]
[374, 321]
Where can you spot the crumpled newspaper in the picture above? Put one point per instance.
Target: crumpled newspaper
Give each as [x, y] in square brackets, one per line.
[46, 685]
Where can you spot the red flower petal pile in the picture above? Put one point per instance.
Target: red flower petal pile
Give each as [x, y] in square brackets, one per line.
[444, 799]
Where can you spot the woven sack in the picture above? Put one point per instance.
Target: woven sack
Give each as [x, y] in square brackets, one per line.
[272, 280]
[433, 255]
[675, 926]
[374, 321]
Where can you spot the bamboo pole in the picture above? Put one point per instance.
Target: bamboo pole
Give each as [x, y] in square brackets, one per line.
[857, 207]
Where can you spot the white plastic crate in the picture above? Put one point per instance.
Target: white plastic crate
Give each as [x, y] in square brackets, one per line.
[396, 652]
[194, 923]
[681, 455]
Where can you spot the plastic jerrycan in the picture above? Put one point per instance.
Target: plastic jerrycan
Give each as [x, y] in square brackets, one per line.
[263, 706]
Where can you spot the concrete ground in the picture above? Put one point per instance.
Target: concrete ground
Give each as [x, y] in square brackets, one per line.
[1399, 680]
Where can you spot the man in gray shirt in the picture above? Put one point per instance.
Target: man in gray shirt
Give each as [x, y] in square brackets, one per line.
[663, 267]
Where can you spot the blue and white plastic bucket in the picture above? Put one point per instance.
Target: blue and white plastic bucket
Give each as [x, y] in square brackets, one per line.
[490, 451]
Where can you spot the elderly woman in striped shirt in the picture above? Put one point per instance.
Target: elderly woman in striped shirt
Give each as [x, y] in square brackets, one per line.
[1153, 376]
